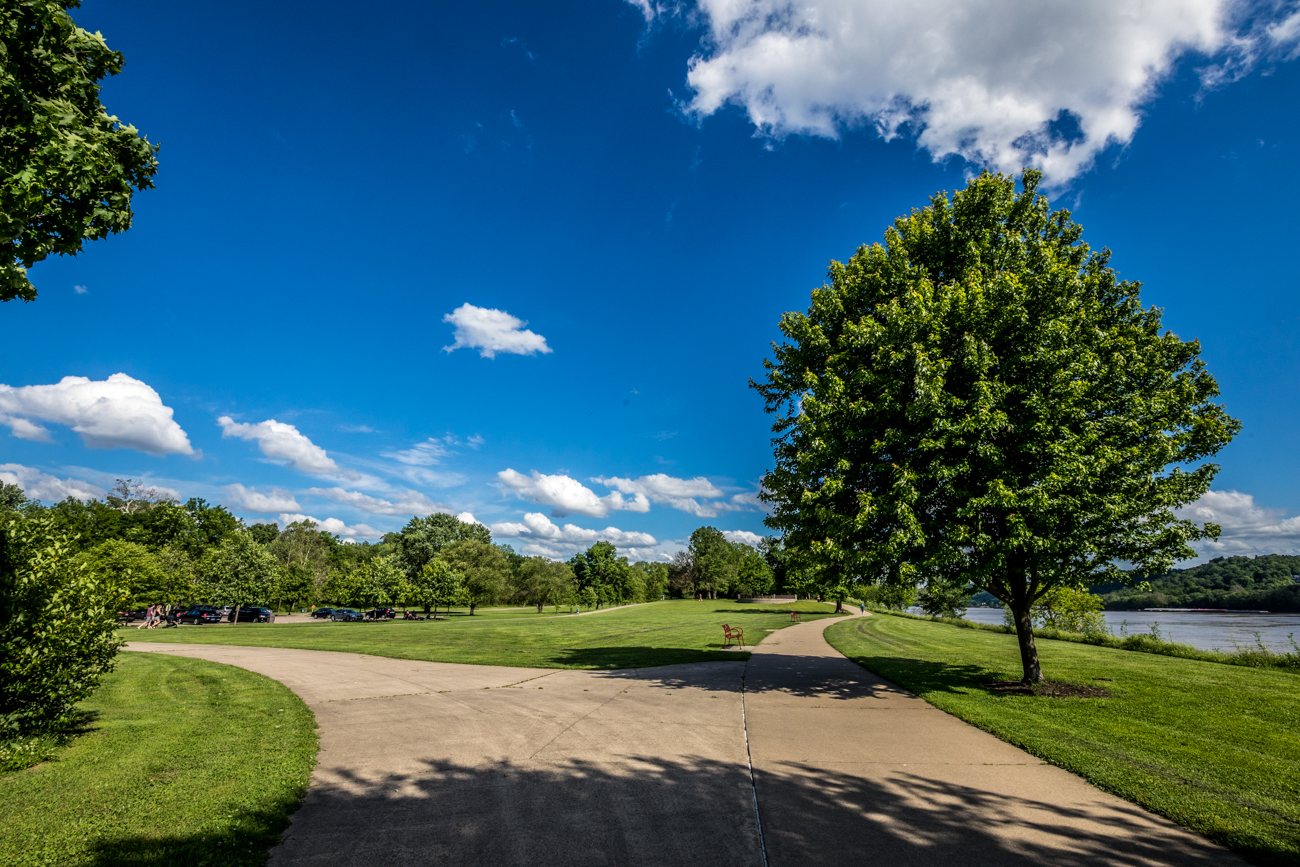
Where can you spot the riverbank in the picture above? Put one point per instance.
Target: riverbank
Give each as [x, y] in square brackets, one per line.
[1215, 631]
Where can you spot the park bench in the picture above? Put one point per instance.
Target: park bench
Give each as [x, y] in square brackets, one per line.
[732, 633]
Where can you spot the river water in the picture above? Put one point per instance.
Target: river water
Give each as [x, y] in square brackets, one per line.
[1224, 631]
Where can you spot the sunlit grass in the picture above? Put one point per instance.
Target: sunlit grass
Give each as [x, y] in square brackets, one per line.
[657, 633]
[1213, 747]
[184, 762]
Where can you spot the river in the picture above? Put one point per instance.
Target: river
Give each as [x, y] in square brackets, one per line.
[1216, 630]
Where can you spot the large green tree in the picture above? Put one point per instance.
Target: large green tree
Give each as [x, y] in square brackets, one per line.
[422, 539]
[136, 569]
[543, 582]
[240, 572]
[484, 567]
[437, 584]
[715, 561]
[68, 168]
[982, 399]
[607, 575]
[304, 553]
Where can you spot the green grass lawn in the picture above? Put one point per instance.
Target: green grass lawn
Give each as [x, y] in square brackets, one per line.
[658, 633]
[1213, 747]
[183, 762]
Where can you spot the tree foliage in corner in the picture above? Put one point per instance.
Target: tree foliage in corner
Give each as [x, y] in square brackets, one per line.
[67, 167]
[982, 399]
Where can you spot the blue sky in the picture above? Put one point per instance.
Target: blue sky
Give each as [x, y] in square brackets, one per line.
[648, 188]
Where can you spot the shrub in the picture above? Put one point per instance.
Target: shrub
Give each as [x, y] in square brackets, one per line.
[58, 619]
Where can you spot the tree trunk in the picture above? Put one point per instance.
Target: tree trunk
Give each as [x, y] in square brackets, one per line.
[471, 608]
[1025, 636]
[235, 620]
[539, 607]
[839, 606]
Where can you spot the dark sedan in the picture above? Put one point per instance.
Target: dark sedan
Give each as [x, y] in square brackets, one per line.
[347, 614]
[201, 614]
[252, 614]
[381, 613]
[322, 613]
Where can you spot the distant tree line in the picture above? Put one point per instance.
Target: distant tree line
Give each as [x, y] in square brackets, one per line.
[159, 551]
[1267, 583]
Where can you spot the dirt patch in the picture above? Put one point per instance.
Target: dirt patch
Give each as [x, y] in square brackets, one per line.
[1052, 688]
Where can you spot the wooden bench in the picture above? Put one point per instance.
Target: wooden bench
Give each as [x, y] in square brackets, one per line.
[732, 633]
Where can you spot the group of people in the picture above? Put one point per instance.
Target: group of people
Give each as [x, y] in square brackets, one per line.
[155, 616]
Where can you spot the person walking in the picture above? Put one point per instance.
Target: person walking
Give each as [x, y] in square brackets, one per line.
[148, 615]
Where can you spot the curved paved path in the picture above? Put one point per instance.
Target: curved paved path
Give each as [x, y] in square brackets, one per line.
[430, 763]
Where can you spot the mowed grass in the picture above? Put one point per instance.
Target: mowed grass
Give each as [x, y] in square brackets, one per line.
[1215, 748]
[637, 636]
[184, 762]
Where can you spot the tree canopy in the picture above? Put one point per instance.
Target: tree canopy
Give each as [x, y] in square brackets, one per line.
[981, 399]
[68, 168]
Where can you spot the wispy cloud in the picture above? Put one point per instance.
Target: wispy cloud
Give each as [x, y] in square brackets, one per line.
[51, 489]
[265, 502]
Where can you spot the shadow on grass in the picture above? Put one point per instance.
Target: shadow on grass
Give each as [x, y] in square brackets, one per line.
[243, 843]
[648, 810]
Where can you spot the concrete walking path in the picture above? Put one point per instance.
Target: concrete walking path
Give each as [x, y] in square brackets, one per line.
[851, 769]
[425, 762]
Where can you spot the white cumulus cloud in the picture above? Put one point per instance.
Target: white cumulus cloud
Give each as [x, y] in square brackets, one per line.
[491, 331]
[568, 496]
[1001, 83]
[1248, 528]
[42, 486]
[546, 538]
[118, 412]
[682, 494]
[333, 525]
[283, 442]
[744, 537]
[267, 502]
[405, 503]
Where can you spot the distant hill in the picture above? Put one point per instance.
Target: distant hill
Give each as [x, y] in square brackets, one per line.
[1266, 583]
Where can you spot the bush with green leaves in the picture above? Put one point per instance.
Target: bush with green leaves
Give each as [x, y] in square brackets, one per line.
[58, 620]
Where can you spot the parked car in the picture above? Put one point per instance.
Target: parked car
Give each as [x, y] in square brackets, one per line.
[321, 613]
[197, 614]
[252, 614]
[131, 616]
[347, 614]
[381, 613]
